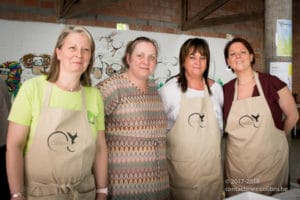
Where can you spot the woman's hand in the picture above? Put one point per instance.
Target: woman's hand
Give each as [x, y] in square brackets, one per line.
[289, 108]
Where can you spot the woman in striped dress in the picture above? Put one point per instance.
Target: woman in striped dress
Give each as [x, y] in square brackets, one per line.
[136, 127]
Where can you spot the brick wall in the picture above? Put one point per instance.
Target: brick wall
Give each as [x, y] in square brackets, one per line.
[144, 15]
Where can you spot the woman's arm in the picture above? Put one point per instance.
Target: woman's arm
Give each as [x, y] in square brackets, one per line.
[289, 108]
[16, 140]
[218, 101]
[101, 164]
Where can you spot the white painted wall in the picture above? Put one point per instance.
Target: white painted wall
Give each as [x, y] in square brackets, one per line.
[19, 38]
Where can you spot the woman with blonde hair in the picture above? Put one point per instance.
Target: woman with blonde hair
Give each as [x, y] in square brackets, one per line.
[56, 146]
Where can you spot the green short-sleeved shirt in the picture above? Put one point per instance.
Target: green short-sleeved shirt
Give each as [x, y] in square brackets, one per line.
[27, 105]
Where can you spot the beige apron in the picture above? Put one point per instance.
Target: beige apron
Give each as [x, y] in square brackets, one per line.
[58, 163]
[256, 151]
[193, 151]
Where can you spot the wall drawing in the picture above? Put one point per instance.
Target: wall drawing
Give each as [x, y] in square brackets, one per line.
[110, 46]
[107, 56]
[37, 63]
[11, 72]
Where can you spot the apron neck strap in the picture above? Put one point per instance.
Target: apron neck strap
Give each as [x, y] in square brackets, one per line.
[48, 94]
[257, 82]
[49, 91]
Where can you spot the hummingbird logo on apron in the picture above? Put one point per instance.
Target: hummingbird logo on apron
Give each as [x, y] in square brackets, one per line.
[197, 119]
[60, 141]
[250, 120]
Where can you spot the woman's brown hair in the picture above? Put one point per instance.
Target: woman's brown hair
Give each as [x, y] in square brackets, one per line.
[192, 45]
[132, 44]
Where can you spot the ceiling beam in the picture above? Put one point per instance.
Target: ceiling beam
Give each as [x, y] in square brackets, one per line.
[64, 6]
[72, 8]
[188, 23]
[59, 7]
[184, 11]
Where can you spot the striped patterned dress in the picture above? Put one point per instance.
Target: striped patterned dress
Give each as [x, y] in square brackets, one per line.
[136, 137]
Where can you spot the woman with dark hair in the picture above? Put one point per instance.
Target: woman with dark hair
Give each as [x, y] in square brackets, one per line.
[259, 112]
[56, 146]
[193, 103]
[136, 126]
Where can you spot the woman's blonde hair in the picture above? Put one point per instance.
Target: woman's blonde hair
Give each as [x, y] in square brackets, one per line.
[53, 73]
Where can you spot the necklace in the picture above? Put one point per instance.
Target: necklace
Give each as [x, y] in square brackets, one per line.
[69, 89]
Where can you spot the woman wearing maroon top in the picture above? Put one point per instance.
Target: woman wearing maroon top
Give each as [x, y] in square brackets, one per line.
[259, 111]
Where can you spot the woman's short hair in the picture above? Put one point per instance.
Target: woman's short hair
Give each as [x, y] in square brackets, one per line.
[132, 44]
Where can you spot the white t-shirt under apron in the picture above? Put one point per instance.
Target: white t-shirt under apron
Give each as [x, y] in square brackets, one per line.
[171, 92]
